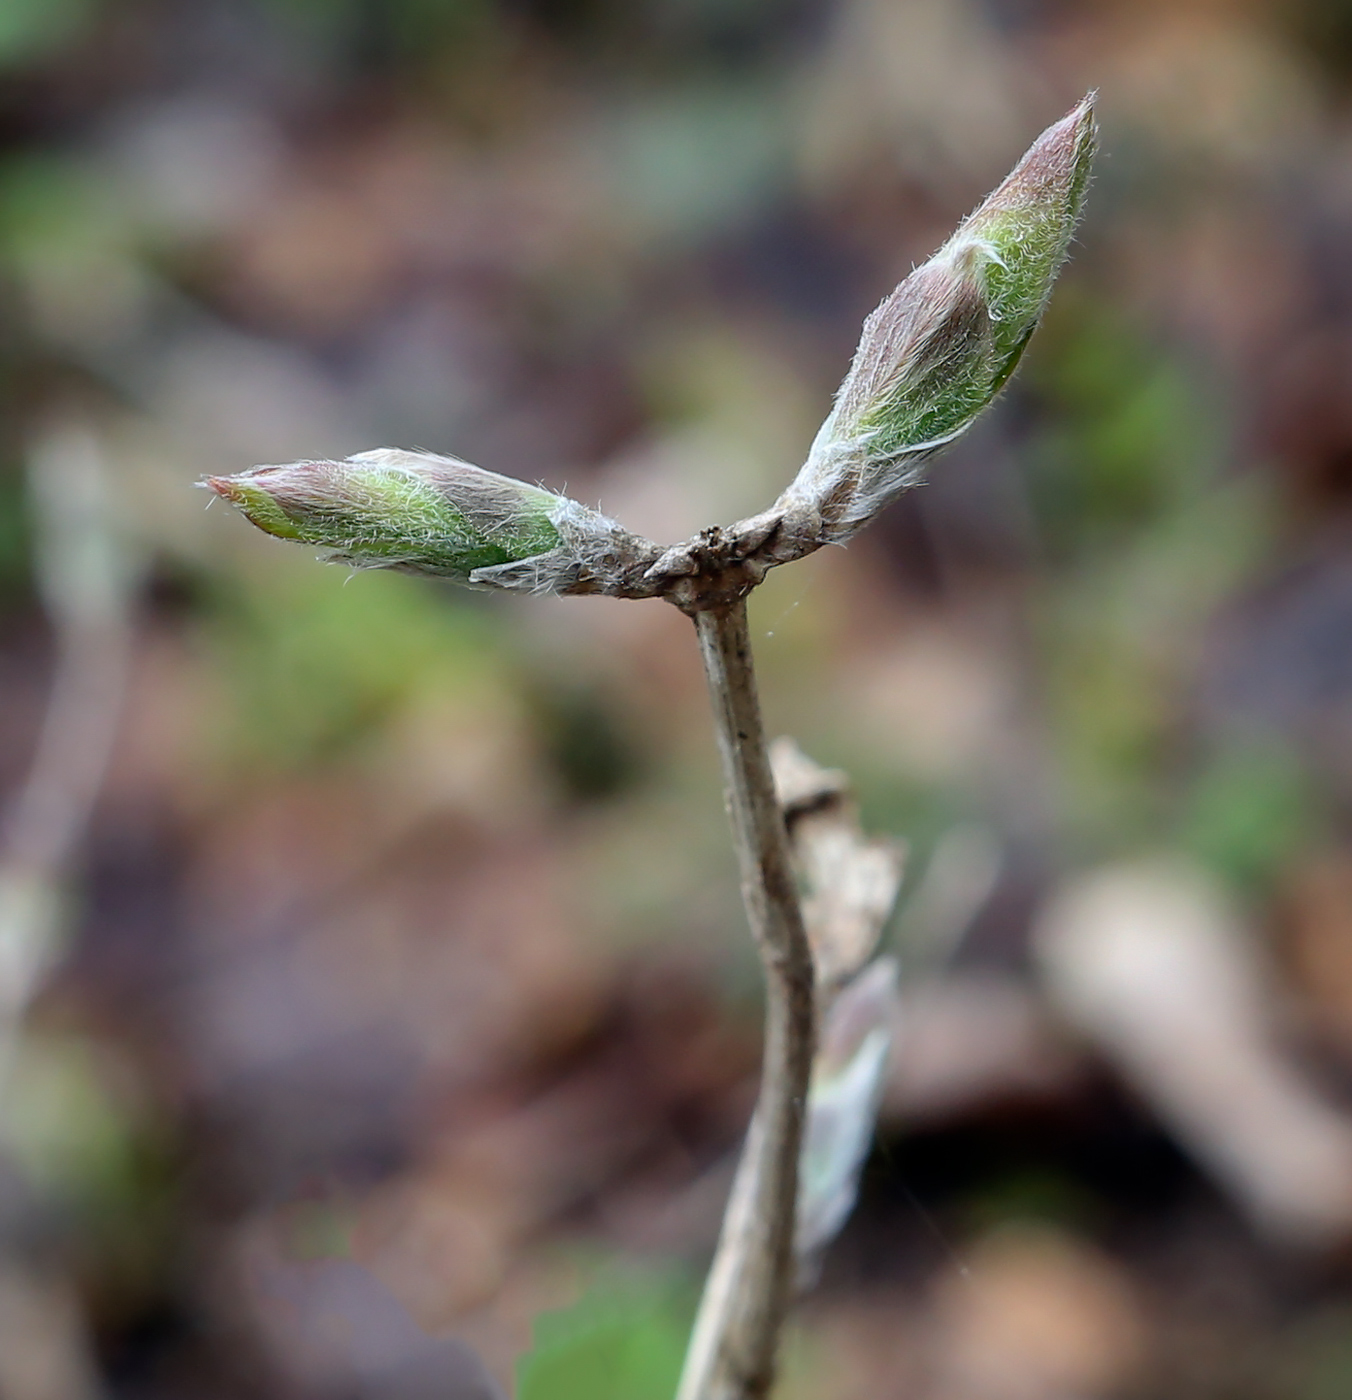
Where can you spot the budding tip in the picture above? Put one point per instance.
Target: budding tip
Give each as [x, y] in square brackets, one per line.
[223, 486]
[1075, 132]
[1081, 115]
[258, 504]
[1082, 125]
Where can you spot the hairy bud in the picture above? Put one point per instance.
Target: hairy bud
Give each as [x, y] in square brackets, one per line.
[433, 515]
[932, 356]
[942, 346]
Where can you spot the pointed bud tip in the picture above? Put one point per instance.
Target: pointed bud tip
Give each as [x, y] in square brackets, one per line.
[1080, 125]
[223, 486]
[943, 345]
[1076, 122]
[242, 485]
[1059, 158]
[1083, 111]
[262, 505]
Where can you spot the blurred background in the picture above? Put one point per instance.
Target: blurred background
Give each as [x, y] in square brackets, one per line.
[372, 976]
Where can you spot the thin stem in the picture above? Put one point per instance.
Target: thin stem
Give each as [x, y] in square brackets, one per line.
[732, 1349]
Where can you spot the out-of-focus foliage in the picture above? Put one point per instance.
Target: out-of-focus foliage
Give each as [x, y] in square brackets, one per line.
[31, 29]
[315, 666]
[623, 1340]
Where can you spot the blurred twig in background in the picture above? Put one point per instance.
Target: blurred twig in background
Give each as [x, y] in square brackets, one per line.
[87, 582]
[1154, 964]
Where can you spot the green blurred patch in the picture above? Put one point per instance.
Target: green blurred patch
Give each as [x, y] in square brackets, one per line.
[623, 1340]
[15, 563]
[1249, 811]
[688, 163]
[57, 212]
[406, 32]
[1313, 1360]
[317, 662]
[73, 238]
[1033, 1195]
[43, 197]
[1121, 637]
[1146, 534]
[320, 1229]
[65, 1129]
[32, 29]
[83, 1136]
[924, 811]
[1129, 435]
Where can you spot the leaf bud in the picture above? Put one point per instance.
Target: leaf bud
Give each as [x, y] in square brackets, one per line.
[426, 514]
[939, 349]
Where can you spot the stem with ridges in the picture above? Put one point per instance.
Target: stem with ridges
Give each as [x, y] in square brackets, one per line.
[750, 1285]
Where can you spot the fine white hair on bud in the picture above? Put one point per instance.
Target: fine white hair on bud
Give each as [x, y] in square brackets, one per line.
[945, 342]
[427, 514]
[931, 358]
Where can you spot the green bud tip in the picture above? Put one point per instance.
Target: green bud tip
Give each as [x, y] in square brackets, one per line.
[403, 510]
[943, 345]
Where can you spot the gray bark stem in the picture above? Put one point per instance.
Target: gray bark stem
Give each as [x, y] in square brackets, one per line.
[750, 1284]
